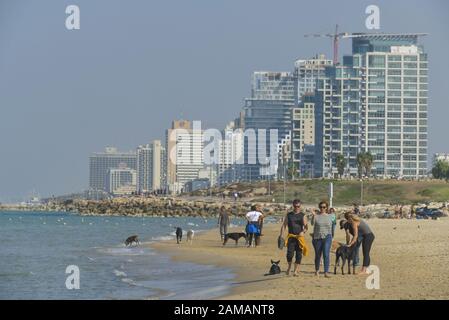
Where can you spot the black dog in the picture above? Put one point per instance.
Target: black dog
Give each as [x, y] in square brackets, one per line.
[178, 235]
[275, 269]
[132, 239]
[346, 254]
[234, 236]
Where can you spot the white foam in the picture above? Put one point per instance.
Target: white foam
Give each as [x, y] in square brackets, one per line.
[129, 281]
[123, 251]
[119, 273]
[163, 238]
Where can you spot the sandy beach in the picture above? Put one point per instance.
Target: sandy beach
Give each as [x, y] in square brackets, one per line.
[412, 255]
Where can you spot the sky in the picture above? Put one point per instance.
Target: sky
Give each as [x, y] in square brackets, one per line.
[134, 66]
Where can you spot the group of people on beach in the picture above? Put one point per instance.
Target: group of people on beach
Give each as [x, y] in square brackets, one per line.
[254, 224]
[324, 222]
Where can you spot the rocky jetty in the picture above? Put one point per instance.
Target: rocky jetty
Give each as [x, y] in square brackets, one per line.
[206, 207]
[162, 206]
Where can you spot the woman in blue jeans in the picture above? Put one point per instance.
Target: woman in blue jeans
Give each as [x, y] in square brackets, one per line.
[322, 238]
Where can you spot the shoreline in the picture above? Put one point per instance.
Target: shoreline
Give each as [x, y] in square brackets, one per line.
[411, 266]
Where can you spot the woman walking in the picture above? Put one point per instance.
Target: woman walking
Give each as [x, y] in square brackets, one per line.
[254, 218]
[322, 237]
[361, 230]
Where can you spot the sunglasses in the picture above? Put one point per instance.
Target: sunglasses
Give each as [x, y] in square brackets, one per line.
[297, 206]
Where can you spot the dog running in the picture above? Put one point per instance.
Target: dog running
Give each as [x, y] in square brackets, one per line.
[234, 236]
[132, 239]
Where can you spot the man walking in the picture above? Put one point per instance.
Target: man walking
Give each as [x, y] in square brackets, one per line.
[223, 222]
[296, 222]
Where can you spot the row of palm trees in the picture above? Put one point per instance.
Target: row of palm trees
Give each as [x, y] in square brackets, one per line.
[364, 164]
[365, 160]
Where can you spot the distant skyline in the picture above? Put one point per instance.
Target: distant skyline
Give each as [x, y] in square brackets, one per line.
[135, 66]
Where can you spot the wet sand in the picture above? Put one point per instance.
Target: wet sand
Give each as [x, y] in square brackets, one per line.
[412, 256]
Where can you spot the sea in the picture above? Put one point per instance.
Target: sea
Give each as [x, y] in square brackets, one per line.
[39, 249]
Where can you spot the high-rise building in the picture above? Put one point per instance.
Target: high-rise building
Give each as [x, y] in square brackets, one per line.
[184, 147]
[267, 114]
[303, 127]
[231, 154]
[375, 102]
[151, 167]
[119, 179]
[267, 85]
[338, 120]
[100, 163]
[307, 72]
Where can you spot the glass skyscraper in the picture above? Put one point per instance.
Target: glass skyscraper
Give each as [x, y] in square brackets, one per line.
[376, 102]
[269, 108]
[101, 163]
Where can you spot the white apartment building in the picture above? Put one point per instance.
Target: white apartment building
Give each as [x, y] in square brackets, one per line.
[185, 155]
[150, 167]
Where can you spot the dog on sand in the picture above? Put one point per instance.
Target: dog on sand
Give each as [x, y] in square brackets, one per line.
[234, 236]
[190, 235]
[346, 254]
[275, 269]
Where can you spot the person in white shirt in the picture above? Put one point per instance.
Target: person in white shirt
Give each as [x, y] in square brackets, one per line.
[254, 218]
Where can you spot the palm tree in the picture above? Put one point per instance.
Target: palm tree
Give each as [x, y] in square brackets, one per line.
[360, 163]
[341, 164]
[368, 162]
[292, 171]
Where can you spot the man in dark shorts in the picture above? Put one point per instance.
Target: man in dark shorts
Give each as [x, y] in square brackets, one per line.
[296, 222]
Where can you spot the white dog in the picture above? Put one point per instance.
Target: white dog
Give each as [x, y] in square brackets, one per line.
[190, 235]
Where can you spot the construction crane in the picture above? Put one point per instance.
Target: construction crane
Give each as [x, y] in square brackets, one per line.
[337, 35]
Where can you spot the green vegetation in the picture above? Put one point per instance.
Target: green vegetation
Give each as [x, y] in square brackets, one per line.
[364, 163]
[347, 192]
[441, 170]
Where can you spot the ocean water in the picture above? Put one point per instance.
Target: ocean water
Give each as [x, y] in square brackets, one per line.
[37, 247]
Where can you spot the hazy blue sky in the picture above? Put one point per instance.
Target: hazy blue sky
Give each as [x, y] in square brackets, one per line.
[136, 65]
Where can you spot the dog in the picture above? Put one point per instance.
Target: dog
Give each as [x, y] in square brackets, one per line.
[178, 235]
[234, 236]
[132, 239]
[190, 235]
[344, 253]
[275, 269]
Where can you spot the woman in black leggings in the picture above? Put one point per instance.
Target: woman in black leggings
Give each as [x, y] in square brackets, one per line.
[361, 229]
